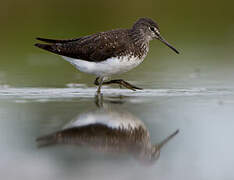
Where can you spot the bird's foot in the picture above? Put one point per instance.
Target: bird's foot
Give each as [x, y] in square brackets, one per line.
[121, 82]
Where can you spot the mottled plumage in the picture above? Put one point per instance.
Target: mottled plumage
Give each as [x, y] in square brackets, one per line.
[108, 130]
[98, 47]
[117, 51]
[101, 46]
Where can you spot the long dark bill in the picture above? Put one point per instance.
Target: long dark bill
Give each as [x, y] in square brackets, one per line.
[167, 43]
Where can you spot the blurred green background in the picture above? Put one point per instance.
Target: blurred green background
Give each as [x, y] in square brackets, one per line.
[201, 30]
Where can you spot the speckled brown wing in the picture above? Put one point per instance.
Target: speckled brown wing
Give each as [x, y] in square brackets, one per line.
[94, 48]
[99, 136]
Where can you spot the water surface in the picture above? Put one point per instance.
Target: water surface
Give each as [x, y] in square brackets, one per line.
[201, 150]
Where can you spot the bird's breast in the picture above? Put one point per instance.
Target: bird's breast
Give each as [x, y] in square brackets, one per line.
[108, 67]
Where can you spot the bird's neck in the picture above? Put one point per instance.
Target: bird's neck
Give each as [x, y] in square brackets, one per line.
[140, 42]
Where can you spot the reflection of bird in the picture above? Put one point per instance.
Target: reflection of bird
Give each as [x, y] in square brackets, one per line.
[108, 53]
[108, 131]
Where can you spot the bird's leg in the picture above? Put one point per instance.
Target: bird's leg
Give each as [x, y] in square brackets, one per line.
[96, 82]
[121, 82]
[99, 100]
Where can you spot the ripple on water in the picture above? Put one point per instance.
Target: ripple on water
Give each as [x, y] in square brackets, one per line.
[81, 92]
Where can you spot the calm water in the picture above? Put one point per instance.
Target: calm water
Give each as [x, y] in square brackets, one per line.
[203, 148]
[43, 94]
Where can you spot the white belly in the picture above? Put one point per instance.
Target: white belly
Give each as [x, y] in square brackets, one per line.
[109, 118]
[105, 68]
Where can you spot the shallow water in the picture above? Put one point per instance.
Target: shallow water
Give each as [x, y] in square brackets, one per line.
[59, 93]
[201, 150]
[195, 97]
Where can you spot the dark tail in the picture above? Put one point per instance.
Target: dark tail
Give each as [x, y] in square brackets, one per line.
[48, 47]
[47, 140]
[56, 40]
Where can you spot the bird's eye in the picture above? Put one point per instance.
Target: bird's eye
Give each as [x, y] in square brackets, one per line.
[151, 28]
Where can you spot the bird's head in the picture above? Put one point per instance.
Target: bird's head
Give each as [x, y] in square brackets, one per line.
[151, 31]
